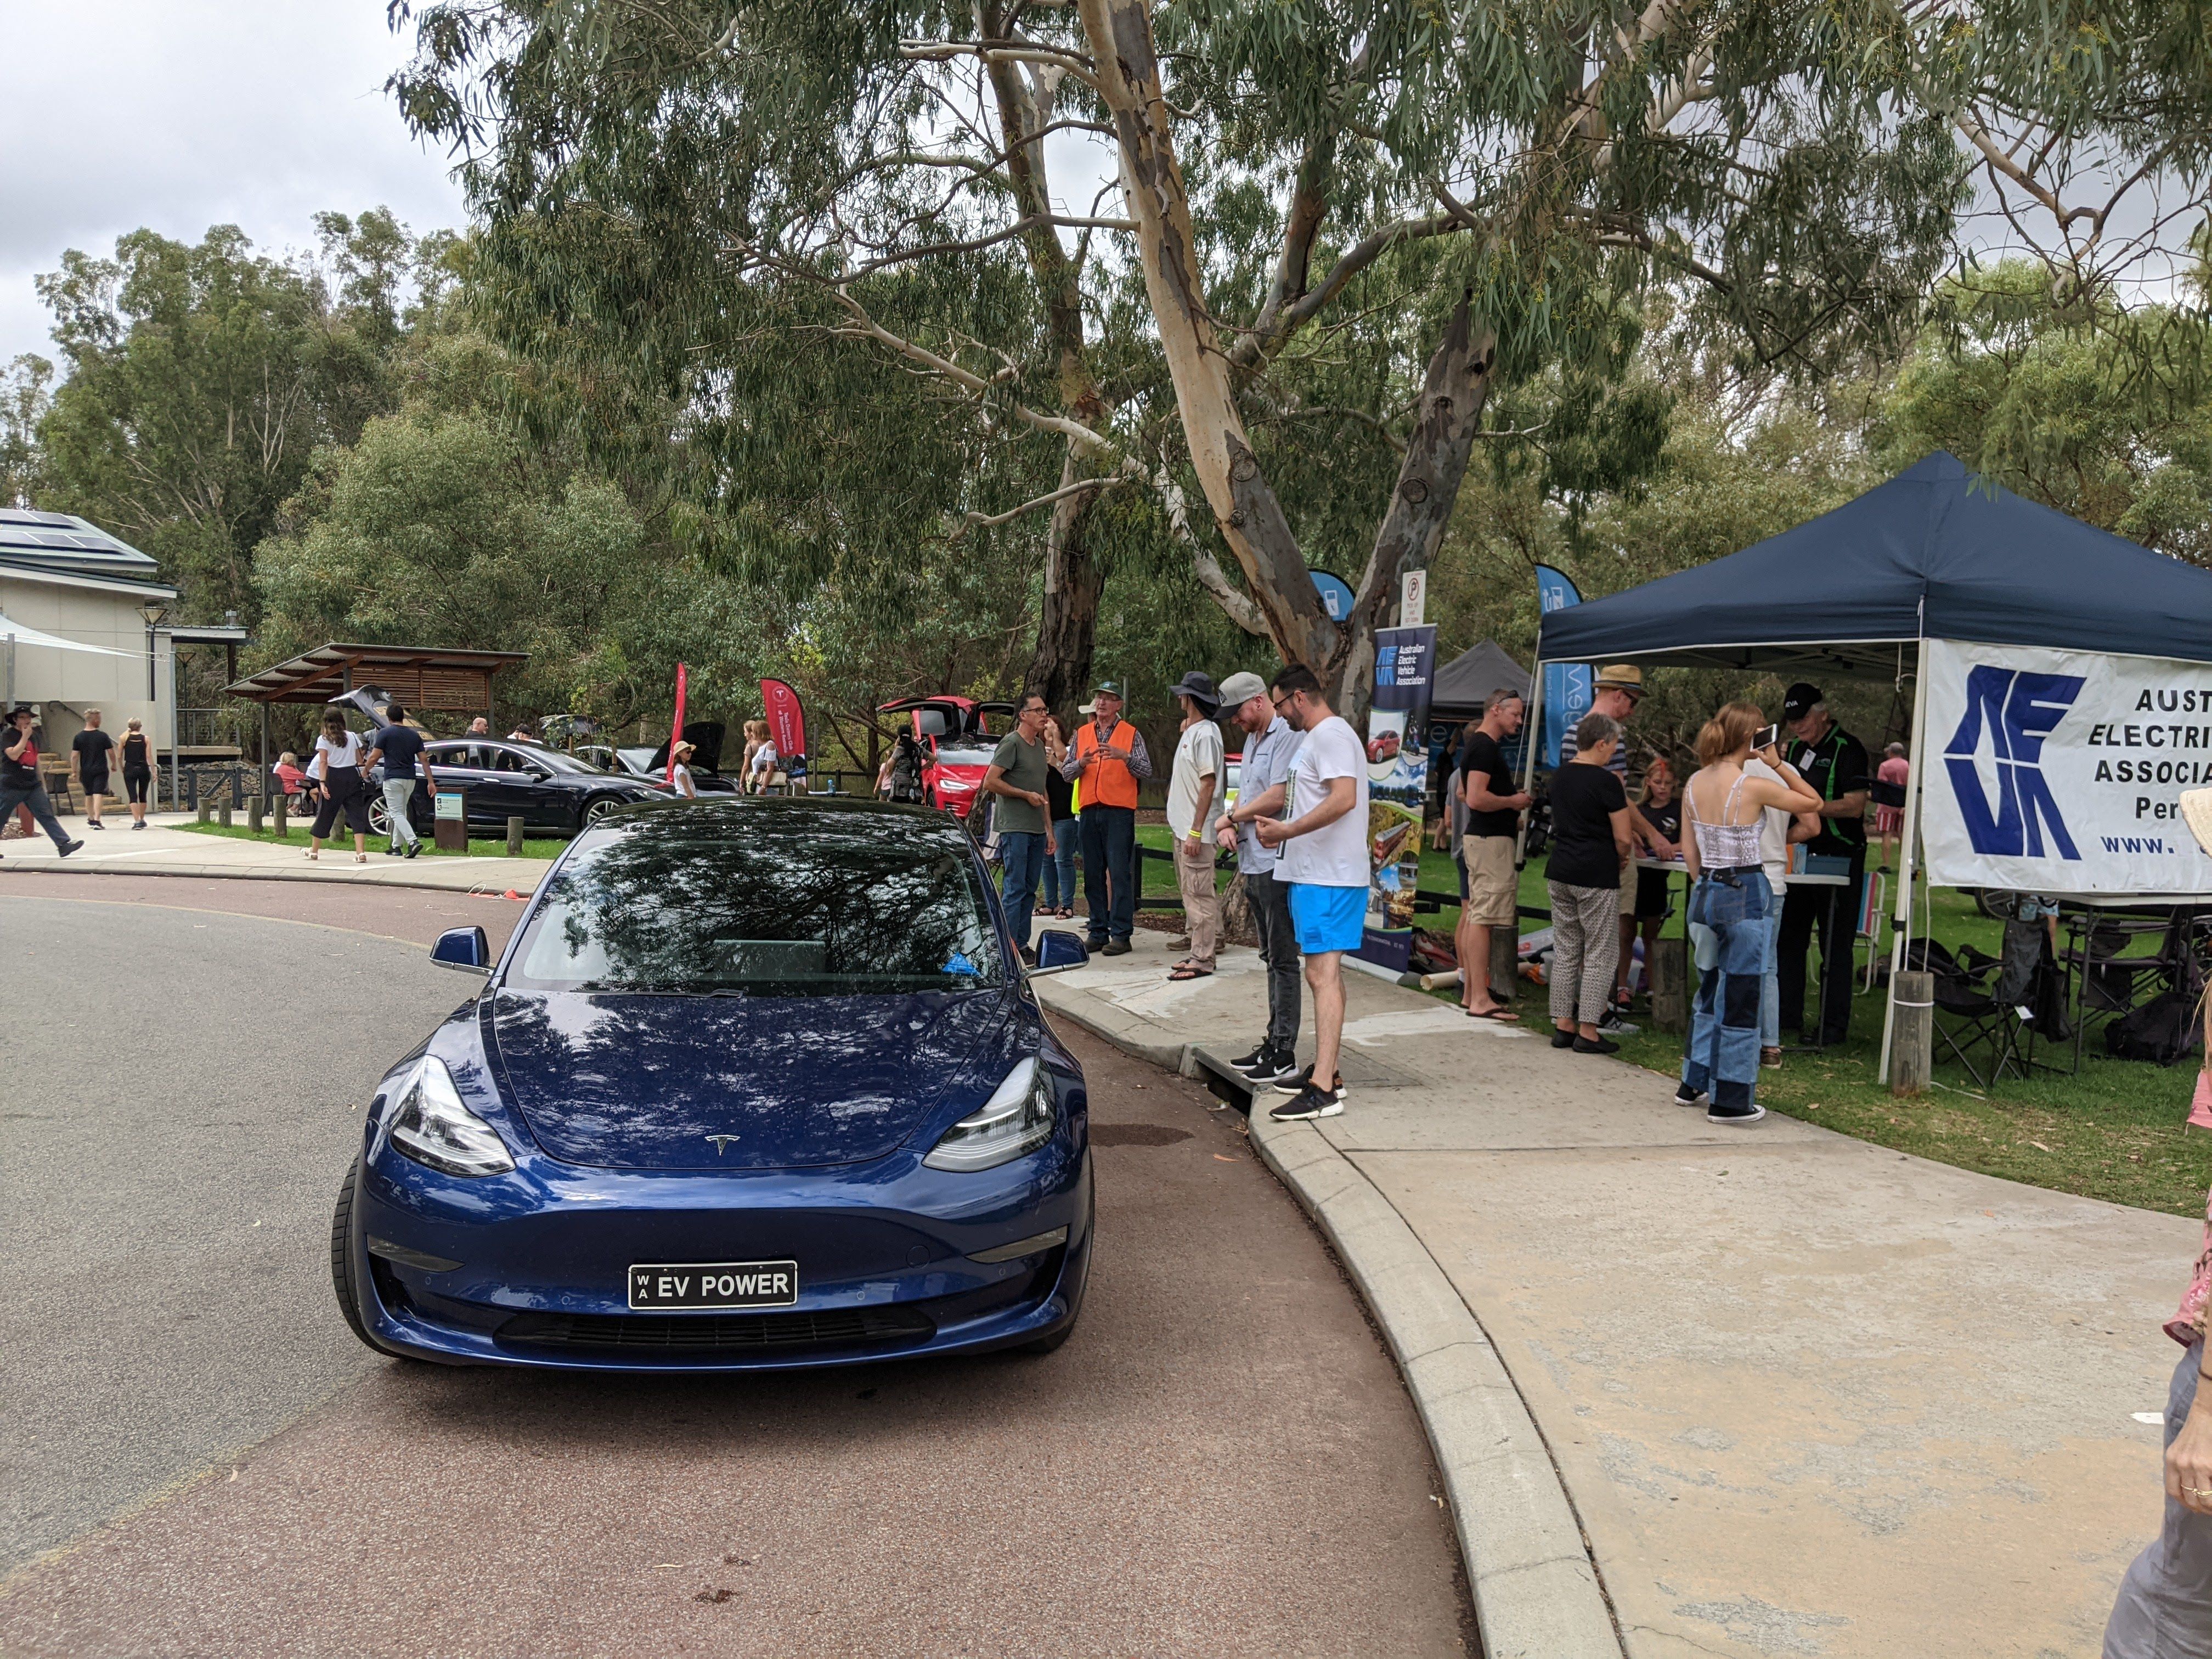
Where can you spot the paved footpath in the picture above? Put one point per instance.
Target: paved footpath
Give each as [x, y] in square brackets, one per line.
[1699, 1390]
[169, 849]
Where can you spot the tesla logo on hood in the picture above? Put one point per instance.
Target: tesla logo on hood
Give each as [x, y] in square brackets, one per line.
[721, 1143]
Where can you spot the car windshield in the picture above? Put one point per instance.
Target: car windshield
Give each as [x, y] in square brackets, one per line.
[966, 751]
[558, 761]
[638, 760]
[770, 900]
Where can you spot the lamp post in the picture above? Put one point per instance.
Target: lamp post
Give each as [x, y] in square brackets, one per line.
[153, 612]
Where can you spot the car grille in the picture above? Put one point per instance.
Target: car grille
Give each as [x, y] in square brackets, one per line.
[694, 1333]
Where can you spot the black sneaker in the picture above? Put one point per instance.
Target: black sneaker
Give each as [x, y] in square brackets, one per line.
[1028, 955]
[1280, 1069]
[1582, 1045]
[1563, 1039]
[1253, 1061]
[1735, 1113]
[1686, 1096]
[1612, 1024]
[68, 846]
[1311, 1102]
[414, 849]
[94, 823]
[1095, 946]
[1115, 947]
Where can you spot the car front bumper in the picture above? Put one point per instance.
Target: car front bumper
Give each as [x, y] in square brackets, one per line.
[532, 1268]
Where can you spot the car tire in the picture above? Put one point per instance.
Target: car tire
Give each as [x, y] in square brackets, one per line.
[379, 817]
[342, 1278]
[595, 808]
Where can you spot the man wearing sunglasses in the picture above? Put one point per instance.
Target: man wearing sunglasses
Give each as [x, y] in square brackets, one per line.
[1271, 744]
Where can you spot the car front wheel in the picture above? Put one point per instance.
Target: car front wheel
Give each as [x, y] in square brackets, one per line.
[596, 809]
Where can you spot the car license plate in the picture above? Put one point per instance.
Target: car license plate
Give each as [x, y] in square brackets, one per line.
[714, 1284]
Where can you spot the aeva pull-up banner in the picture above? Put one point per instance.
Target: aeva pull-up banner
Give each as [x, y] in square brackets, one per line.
[2061, 771]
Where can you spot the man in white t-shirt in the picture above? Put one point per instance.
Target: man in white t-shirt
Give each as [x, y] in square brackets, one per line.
[1322, 836]
[1193, 807]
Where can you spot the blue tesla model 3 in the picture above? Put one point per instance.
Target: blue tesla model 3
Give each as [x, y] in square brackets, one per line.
[757, 1082]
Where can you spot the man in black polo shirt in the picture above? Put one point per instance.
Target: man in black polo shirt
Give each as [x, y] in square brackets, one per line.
[1834, 762]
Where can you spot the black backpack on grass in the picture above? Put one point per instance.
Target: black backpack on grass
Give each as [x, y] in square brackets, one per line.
[2162, 1030]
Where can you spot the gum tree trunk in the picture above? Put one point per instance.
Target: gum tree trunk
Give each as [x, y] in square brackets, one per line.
[1120, 34]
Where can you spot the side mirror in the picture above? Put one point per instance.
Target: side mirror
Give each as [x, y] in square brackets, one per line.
[1059, 951]
[467, 949]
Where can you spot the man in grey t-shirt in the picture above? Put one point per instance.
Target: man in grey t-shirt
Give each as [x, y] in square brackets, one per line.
[1017, 777]
[1270, 743]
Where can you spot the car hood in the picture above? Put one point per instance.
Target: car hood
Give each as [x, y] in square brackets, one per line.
[629, 1082]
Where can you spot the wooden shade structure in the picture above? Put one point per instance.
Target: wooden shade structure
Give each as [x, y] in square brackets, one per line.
[416, 676]
[419, 677]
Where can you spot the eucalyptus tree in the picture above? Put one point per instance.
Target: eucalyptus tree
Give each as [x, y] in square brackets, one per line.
[1368, 213]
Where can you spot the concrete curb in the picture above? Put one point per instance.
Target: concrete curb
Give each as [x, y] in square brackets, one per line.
[1535, 1592]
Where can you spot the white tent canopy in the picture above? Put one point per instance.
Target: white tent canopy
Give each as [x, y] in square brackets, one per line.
[16, 633]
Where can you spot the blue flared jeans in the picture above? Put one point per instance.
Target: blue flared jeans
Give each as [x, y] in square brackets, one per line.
[1727, 926]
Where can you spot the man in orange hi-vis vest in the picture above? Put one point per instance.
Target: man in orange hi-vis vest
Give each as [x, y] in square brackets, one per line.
[1107, 758]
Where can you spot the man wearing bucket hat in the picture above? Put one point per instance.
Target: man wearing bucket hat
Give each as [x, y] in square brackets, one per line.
[1107, 758]
[2162, 1608]
[1615, 693]
[1194, 806]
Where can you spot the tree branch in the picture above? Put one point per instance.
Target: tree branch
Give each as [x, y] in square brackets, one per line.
[972, 520]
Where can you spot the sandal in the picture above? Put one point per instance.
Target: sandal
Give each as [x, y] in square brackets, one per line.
[315, 857]
[1501, 1013]
[1184, 971]
[360, 858]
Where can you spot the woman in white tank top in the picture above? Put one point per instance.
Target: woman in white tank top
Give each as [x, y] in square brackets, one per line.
[1729, 899]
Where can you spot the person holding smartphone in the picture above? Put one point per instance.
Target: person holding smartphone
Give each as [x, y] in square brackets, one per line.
[1730, 898]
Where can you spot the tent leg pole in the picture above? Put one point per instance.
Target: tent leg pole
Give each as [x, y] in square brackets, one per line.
[1532, 729]
[1901, 923]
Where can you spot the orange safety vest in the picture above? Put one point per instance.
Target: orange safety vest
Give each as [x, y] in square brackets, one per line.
[1109, 782]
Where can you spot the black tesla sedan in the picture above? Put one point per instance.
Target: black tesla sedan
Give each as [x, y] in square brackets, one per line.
[500, 779]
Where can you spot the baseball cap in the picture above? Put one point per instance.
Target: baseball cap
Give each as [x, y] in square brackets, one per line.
[1798, 701]
[1106, 688]
[1239, 689]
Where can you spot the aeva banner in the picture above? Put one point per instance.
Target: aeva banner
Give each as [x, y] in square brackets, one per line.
[2059, 771]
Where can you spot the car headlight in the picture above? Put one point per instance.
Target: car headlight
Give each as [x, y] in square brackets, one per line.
[424, 1118]
[1017, 1118]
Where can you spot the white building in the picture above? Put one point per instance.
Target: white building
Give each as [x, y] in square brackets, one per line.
[86, 624]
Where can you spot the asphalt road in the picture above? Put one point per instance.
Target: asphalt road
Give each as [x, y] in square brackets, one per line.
[197, 1458]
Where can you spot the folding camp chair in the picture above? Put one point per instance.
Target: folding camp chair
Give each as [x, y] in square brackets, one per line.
[1870, 927]
[1980, 1023]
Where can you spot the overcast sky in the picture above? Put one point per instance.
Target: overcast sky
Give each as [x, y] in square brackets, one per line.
[179, 114]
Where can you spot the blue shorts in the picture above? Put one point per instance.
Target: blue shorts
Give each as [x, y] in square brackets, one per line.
[1328, 918]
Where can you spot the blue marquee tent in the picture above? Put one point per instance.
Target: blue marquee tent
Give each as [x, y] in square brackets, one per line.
[1935, 553]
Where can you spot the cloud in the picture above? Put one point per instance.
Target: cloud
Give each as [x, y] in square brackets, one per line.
[179, 114]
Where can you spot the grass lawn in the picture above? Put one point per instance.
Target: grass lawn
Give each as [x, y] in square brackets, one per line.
[296, 834]
[2117, 1131]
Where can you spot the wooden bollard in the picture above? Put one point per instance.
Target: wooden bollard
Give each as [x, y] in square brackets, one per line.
[1913, 1046]
[204, 804]
[253, 815]
[1670, 981]
[514, 838]
[278, 807]
[222, 811]
[1504, 964]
